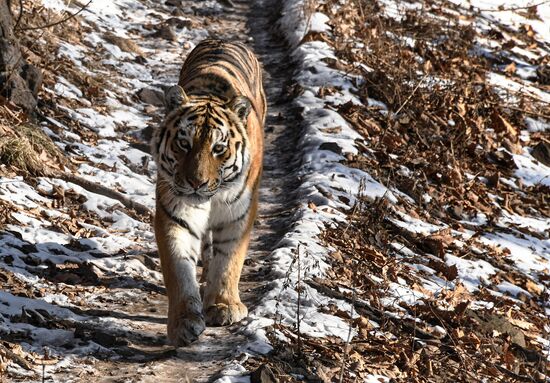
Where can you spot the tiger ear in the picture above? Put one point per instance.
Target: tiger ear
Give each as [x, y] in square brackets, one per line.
[174, 97]
[241, 106]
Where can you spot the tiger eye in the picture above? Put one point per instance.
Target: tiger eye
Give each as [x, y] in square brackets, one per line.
[227, 180]
[218, 149]
[183, 145]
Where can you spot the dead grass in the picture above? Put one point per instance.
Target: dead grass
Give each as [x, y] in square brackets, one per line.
[27, 149]
[497, 344]
[444, 123]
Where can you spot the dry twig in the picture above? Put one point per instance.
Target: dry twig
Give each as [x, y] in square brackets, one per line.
[72, 15]
[513, 8]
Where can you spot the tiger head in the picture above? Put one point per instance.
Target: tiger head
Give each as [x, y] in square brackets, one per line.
[201, 148]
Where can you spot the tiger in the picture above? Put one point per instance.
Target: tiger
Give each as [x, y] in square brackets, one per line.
[209, 152]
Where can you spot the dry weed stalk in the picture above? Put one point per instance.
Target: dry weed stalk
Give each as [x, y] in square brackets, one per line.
[348, 339]
[299, 302]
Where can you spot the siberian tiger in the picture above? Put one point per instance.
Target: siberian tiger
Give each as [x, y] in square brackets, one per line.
[208, 152]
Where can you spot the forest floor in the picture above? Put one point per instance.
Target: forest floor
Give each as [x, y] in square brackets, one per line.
[403, 232]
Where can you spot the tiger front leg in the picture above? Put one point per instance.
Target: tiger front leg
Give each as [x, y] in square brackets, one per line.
[178, 252]
[207, 254]
[222, 303]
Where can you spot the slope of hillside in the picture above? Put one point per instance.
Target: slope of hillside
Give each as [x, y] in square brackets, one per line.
[404, 226]
[433, 118]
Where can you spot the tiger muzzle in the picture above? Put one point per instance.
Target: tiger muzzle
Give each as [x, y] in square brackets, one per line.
[197, 184]
[195, 187]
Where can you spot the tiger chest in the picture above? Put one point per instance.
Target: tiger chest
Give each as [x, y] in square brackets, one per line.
[229, 209]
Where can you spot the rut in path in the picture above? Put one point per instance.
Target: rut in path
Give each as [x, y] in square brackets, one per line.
[148, 358]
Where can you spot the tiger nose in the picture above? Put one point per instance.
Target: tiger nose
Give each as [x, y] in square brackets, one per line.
[196, 183]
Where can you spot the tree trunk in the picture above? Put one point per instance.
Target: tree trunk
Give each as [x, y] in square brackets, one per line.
[19, 81]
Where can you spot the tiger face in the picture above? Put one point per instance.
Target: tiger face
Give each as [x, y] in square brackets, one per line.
[201, 148]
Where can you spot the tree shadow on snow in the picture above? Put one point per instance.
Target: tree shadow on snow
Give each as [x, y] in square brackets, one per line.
[126, 327]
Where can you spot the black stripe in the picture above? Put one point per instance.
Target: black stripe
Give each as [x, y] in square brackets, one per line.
[228, 67]
[223, 225]
[231, 166]
[237, 64]
[182, 223]
[245, 142]
[169, 123]
[224, 241]
[216, 119]
[241, 192]
[242, 132]
[218, 251]
[166, 170]
[242, 54]
[161, 138]
[194, 257]
[229, 71]
[242, 167]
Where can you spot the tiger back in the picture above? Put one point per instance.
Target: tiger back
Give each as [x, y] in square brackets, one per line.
[226, 70]
[209, 152]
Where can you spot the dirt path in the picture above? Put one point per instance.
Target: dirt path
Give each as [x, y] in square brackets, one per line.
[141, 352]
[80, 279]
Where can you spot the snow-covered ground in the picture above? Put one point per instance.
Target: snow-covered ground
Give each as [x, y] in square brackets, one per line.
[66, 249]
[95, 237]
[329, 187]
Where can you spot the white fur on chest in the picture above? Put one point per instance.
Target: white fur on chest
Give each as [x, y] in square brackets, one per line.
[224, 208]
[229, 206]
[196, 216]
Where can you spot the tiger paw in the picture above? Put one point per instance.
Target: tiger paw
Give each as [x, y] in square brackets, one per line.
[221, 314]
[186, 330]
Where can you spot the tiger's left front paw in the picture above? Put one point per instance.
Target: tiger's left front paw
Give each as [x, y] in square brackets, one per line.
[221, 314]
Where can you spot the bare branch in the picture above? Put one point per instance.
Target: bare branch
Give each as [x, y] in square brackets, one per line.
[58, 22]
[513, 8]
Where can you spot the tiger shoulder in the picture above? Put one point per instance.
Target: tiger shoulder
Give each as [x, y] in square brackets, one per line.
[209, 152]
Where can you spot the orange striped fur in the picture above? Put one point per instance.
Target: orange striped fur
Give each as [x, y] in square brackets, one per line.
[209, 153]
